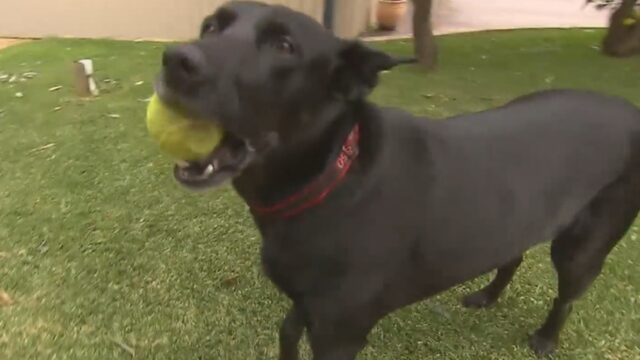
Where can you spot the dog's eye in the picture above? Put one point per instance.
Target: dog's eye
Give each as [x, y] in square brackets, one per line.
[284, 45]
[210, 28]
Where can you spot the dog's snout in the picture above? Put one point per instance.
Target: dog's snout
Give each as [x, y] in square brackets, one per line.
[186, 62]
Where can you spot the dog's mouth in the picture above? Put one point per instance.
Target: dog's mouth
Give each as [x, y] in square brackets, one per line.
[225, 162]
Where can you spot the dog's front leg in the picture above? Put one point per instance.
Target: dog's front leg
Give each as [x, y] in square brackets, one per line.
[337, 340]
[340, 353]
[290, 334]
[335, 348]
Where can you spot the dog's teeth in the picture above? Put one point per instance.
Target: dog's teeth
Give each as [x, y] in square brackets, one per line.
[209, 170]
[182, 164]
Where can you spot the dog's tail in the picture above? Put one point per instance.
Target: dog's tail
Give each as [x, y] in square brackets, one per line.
[405, 60]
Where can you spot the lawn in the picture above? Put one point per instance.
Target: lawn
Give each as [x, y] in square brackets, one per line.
[106, 257]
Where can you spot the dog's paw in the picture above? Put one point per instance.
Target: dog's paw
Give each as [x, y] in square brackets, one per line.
[478, 300]
[541, 346]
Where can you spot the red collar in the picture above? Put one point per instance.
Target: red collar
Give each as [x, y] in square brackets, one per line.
[318, 190]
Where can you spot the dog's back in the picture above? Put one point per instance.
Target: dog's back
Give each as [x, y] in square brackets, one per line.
[474, 192]
[480, 189]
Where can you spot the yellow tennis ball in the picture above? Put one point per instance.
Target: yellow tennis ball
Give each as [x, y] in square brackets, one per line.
[629, 21]
[180, 137]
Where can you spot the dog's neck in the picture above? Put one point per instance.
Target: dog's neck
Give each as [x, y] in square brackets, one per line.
[292, 166]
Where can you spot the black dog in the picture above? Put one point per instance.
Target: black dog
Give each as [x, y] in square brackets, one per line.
[363, 210]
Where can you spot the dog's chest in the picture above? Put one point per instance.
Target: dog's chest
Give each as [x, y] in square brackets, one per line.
[285, 272]
[297, 267]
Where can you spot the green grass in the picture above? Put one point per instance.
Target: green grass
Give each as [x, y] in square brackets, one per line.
[102, 251]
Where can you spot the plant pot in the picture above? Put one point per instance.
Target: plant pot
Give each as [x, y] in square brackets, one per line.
[390, 12]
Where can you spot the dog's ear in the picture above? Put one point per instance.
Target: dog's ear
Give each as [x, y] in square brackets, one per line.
[358, 68]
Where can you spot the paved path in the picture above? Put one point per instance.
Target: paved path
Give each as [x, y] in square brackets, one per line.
[454, 16]
[8, 42]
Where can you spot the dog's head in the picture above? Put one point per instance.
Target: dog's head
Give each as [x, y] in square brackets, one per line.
[268, 76]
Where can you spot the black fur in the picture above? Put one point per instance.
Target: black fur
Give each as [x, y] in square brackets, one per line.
[428, 204]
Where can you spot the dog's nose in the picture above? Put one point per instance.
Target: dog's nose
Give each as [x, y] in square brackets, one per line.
[184, 61]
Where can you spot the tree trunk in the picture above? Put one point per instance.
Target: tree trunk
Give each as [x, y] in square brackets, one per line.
[425, 46]
[622, 39]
